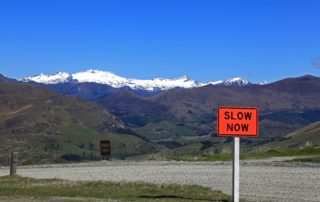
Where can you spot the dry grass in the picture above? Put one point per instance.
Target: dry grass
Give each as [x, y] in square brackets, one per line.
[17, 186]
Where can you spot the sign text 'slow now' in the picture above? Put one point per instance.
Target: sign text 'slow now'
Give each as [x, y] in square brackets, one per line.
[236, 121]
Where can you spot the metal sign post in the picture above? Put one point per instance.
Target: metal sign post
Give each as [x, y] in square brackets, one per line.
[236, 169]
[237, 122]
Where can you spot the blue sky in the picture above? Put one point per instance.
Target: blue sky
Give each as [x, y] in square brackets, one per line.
[204, 39]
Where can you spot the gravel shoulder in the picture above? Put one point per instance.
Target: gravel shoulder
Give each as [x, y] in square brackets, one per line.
[260, 180]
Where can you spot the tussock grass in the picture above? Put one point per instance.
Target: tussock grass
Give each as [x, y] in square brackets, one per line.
[315, 159]
[209, 157]
[124, 191]
[305, 152]
[286, 152]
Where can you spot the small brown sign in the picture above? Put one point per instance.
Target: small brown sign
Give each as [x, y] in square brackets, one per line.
[105, 148]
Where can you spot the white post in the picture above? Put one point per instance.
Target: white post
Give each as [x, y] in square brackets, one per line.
[236, 169]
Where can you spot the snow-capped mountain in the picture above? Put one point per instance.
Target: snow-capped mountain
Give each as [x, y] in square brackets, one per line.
[115, 81]
[60, 77]
[237, 81]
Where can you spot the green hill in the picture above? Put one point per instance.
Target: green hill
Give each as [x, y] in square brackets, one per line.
[45, 126]
[307, 137]
[173, 117]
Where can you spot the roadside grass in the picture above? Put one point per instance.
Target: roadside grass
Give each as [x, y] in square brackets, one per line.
[309, 151]
[278, 153]
[210, 157]
[17, 186]
[315, 159]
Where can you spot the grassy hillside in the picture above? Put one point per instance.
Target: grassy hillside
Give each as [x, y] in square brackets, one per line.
[306, 137]
[180, 117]
[45, 126]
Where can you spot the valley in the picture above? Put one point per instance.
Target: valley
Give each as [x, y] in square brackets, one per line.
[47, 122]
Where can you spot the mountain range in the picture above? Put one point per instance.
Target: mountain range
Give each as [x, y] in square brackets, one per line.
[285, 106]
[93, 84]
[115, 81]
[57, 115]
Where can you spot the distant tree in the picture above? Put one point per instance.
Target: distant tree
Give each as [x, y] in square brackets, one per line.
[91, 146]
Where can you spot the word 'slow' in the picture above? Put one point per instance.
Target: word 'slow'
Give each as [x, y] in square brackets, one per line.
[237, 116]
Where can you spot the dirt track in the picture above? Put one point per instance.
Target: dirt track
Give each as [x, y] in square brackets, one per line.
[259, 180]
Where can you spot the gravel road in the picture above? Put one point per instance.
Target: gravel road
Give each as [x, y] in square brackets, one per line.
[259, 180]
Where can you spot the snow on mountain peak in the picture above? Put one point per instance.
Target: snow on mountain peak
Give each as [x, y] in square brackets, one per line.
[217, 82]
[164, 84]
[236, 81]
[263, 83]
[102, 77]
[184, 78]
[59, 77]
[108, 78]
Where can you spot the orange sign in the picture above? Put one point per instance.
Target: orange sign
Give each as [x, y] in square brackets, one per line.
[237, 121]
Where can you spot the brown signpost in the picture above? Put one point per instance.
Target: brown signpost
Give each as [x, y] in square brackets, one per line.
[237, 122]
[105, 149]
[13, 163]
